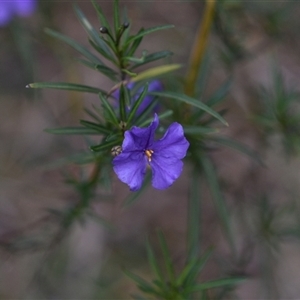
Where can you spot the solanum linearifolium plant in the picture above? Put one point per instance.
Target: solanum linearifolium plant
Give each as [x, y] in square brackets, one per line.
[131, 104]
[144, 131]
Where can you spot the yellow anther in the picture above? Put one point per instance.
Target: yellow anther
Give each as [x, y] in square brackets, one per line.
[149, 154]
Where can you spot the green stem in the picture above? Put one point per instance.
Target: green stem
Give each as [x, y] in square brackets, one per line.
[199, 47]
[193, 218]
[86, 194]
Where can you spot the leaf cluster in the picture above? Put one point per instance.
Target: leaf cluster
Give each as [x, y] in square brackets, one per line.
[167, 284]
[279, 113]
[116, 45]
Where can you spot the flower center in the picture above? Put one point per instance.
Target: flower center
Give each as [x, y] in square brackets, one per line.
[149, 154]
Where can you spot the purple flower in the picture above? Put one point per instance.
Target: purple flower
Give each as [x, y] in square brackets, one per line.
[154, 86]
[10, 8]
[164, 156]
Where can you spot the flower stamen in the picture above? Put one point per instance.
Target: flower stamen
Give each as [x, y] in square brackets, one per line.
[149, 154]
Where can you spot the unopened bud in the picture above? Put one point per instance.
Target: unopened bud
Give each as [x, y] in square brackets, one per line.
[126, 25]
[103, 30]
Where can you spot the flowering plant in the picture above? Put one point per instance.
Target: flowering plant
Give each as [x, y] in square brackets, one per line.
[148, 157]
[125, 139]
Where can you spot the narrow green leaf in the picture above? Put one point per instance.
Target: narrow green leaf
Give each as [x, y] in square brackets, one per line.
[142, 118]
[100, 111]
[147, 31]
[123, 102]
[114, 136]
[110, 73]
[72, 131]
[125, 18]
[92, 32]
[152, 57]
[66, 86]
[211, 120]
[155, 72]
[218, 283]
[129, 73]
[109, 112]
[137, 104]
[116, 17]
[135, 44]
[219, 94]
[165, 114]
[110, 42]
[194, 216]
[101, 16]
[239, 147]
[101, 68]
[128, 99]
[23, 46]
[203, 75]
[133, 59]
[199, 130]
[78, 158]
[191, 101]
[87, 63]
[154, 265]
[74, 45]
[193, 269]
[162, 116]
[159, 284]
[198, 267]
[92, 114]
[219, 202]
[102, 52]
[142, 284]
[98, 127]
[167, 257]
[106, 145]
[187, 271]
[150, 290]
[139, 280]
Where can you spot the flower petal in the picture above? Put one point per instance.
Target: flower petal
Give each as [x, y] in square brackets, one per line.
[6, 13]
[25, 8]
[172, 144]
[140, 138]
[164, 156]
[130, 168]
[165, 171]
[154, 86]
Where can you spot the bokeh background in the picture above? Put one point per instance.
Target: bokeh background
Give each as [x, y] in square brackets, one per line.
[250, 43]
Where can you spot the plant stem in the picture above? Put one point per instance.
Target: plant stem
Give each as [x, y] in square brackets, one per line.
[199, 47]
